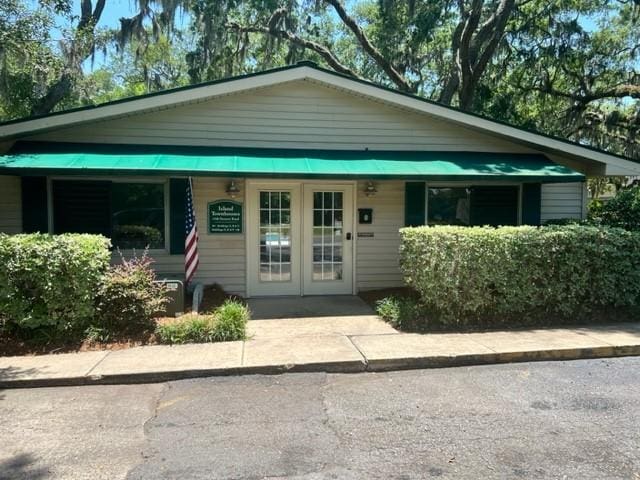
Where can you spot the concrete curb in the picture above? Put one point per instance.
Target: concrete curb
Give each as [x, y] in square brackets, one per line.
[385, 365]
[365, 365]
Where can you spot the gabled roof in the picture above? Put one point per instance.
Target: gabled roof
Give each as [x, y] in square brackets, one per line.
[615, 164]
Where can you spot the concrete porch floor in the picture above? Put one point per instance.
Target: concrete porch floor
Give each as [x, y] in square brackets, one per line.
[280, 319]
[269, 308]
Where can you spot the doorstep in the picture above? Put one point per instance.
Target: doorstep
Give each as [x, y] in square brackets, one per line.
[333, 351]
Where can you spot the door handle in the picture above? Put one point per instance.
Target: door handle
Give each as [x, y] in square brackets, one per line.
[348, 235]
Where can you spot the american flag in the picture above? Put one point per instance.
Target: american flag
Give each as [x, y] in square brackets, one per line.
[191, 240]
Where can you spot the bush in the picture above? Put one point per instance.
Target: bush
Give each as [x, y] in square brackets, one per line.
[128, 298]
[50, 281]
[484, 276]
[621, 211]
[565, 221]
[232, 317]
[403, 313]
[227, 323]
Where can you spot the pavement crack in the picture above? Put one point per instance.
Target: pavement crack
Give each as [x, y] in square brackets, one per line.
[156, 408]
[364, 358]
[88, 374]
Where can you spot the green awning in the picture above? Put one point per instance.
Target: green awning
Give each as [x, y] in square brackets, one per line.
[289, 163]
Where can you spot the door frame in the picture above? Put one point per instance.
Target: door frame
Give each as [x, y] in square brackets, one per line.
[252, 216]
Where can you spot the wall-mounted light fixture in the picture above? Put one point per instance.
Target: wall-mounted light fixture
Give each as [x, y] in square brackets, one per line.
[232, 189]
[370, 190]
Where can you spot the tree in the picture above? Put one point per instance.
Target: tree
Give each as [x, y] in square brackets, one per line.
[76, 48]
[567, 68]
[28, 63]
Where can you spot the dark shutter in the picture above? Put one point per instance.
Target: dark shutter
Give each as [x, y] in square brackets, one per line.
[494, 205]
[81, 206]
[35, 215]
[531, 203]
[414, 204]
[177, 210]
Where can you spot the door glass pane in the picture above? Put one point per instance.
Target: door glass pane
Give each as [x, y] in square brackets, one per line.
[275, 236]
[327, 236]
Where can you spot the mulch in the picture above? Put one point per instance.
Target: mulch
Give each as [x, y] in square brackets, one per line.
[371, 297]
[213, 297]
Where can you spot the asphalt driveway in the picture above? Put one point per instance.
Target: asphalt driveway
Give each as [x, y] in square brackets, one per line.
[575, 419]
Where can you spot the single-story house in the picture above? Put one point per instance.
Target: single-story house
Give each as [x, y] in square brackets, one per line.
[301, 177]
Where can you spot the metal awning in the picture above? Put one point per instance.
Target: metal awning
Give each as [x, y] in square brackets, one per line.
[285, 163]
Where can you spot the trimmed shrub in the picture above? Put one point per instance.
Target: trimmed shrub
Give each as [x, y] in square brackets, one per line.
[227, 323]
[484, 276]
[128, 299]
[622, 211]
[50, 281]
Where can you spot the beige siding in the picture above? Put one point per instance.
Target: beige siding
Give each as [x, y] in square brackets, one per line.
[377, 258]
[10, 205]
[563, 200]
[295, 115]
[222, 257]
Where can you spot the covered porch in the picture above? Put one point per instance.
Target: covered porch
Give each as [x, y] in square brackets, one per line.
[280, 222]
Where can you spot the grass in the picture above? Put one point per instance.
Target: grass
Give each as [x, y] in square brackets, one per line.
[228, 322]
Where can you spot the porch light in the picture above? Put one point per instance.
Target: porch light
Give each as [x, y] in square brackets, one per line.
[232, 189]
[370, 190]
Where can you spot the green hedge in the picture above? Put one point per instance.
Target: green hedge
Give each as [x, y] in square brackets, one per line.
[622, 211]
[50, 280]
[484, 276]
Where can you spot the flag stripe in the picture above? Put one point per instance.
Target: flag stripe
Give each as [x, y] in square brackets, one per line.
[191, 259]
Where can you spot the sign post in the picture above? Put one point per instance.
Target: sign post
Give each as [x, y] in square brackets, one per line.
[224, 216]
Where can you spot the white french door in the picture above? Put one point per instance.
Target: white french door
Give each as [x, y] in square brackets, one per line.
[273, 238]
[327, 239]
[299, 238]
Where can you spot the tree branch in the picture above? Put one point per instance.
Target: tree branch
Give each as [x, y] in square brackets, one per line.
[368, 47]
[321, 50]
[502, 15]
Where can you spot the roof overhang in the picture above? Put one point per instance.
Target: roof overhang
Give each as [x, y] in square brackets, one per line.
[615, 165]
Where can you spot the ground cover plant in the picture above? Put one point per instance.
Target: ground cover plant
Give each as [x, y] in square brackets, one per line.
[227, 322]
[483, 277]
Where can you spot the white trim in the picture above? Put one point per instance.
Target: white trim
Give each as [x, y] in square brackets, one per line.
[303, 72]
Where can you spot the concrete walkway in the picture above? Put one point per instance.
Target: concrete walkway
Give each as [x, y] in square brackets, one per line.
[330, 344]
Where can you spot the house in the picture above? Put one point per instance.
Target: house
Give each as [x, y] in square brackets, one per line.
[301, 177]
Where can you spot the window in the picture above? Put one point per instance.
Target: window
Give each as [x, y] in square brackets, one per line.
[131, 214]
[137, 218]
[327, 235]
[474, 205]
[275, 236]
[448, 206]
